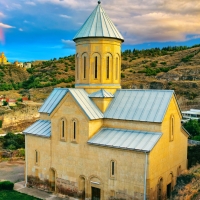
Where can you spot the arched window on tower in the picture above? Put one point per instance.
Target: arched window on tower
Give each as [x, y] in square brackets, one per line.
[117, 70]
[84, 67]
[95, 67]
[77, 66]
[108, 67]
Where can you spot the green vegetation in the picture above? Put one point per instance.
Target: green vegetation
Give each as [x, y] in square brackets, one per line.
[13, 195]
[1, 122]
[193, 155]
[6, 185]
[13, 141]
[122, 75]
[154, 71]
[193, 127]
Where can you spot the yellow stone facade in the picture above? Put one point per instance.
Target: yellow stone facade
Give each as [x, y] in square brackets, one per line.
[82, 166]
[68, 164]
[99, 53]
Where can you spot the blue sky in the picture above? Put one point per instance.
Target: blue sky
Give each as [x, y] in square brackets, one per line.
[43, 29]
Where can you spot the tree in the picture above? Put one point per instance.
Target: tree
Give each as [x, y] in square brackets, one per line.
[193, 127]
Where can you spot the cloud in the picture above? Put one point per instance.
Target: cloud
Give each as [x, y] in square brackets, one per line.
[68, 44]
[20, 29]
[2, 15]
[30, 3]
[65, 16]
[5, 26]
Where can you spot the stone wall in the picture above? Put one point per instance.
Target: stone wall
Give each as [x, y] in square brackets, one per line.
[28, 113]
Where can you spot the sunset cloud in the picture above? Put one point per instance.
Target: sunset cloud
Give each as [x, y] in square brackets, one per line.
[142, 23]
[5, 25]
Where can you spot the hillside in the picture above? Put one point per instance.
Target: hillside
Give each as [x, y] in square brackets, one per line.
[176, 68]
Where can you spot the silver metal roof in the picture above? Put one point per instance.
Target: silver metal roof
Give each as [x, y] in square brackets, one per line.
[53, 100]
[139, 105]
[101, 94]
[126, 139]
[87, 105]
[40, 128]
[98, 24]
[80, 96]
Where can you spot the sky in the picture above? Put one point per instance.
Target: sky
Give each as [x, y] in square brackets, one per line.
[43, 29]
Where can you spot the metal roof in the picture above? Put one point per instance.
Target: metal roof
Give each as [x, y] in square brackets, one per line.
[126, 139]
[87, 105]
[40, 128]
[101, 94]
[98, 24]
[53, 100]
[80, 96]
[139, 105]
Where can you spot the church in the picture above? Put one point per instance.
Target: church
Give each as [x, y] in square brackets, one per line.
[3, 59]
[98, 141]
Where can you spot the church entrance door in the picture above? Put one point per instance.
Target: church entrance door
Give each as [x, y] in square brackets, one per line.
[96, 193]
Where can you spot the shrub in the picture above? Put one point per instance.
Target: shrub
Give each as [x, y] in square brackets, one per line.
[122, 75]
[6, 185]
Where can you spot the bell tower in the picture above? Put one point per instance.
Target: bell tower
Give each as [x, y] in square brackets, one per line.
[98, 53]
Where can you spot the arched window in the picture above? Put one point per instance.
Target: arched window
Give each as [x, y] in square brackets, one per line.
[172, 123]
[84, 66]
[36, 157]
[117, 70]
[95, 67]
[63, 129]
[77, 68]
[108, 67]
[74, 132]
[112, 169]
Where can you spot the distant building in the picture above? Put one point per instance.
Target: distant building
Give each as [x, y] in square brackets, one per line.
[3, 59]
[27, 65]
[98, 141]
[11, 102]
[191, 114]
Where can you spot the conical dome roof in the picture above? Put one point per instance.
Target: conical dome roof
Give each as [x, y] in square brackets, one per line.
[98, 25]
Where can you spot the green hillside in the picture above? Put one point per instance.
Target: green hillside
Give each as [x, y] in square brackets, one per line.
[176, 68]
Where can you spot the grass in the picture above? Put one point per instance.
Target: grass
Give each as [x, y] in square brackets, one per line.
[13, 195]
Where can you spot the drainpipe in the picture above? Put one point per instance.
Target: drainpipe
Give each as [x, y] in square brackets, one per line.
[145, 175]
[26, 160]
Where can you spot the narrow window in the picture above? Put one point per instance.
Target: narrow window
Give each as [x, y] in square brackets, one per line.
[113, 168]
[74, 130]
[36, 156]
[95, 68]
[108, 67]
[172, 128]
[84, 76]
[63, 128]
[116, 68]
[77, 67]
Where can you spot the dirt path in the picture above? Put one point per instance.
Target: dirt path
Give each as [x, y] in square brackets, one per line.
[12, 171]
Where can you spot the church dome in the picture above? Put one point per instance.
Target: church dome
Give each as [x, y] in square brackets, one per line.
[98, 25]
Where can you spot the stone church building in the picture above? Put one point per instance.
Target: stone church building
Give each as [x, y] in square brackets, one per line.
[98, 141]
